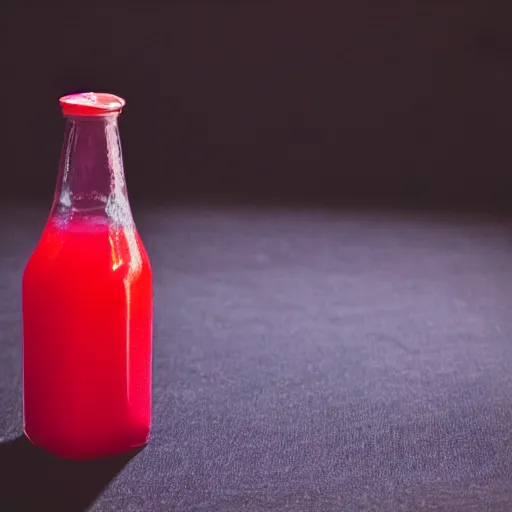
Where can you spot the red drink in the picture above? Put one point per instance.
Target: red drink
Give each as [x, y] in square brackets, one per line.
[87, 311]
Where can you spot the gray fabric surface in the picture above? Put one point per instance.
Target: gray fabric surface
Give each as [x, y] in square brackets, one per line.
[303, 361]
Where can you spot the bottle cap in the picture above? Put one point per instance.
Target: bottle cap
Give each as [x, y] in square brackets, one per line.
[91, 104]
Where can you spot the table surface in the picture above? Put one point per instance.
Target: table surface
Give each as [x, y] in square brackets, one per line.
[303, 360]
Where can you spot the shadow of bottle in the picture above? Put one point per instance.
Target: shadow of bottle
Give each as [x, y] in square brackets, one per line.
[32, 480]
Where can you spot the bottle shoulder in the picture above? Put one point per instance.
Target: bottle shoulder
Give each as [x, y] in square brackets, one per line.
[96, 250]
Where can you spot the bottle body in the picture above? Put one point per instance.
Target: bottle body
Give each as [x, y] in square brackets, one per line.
[87, 316]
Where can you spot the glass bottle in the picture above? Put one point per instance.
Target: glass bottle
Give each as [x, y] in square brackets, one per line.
[88, 300]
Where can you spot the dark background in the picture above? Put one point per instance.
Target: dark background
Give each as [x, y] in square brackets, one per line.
[351, 356]
[326, 101]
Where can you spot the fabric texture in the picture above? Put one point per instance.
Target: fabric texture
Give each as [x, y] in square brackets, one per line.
[304, 360]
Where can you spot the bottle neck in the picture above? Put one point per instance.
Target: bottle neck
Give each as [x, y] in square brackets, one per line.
[91, 180]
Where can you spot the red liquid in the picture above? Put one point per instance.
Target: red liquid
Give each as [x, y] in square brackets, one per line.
[87, 327]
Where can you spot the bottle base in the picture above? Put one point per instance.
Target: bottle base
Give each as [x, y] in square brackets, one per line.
[68, 453]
